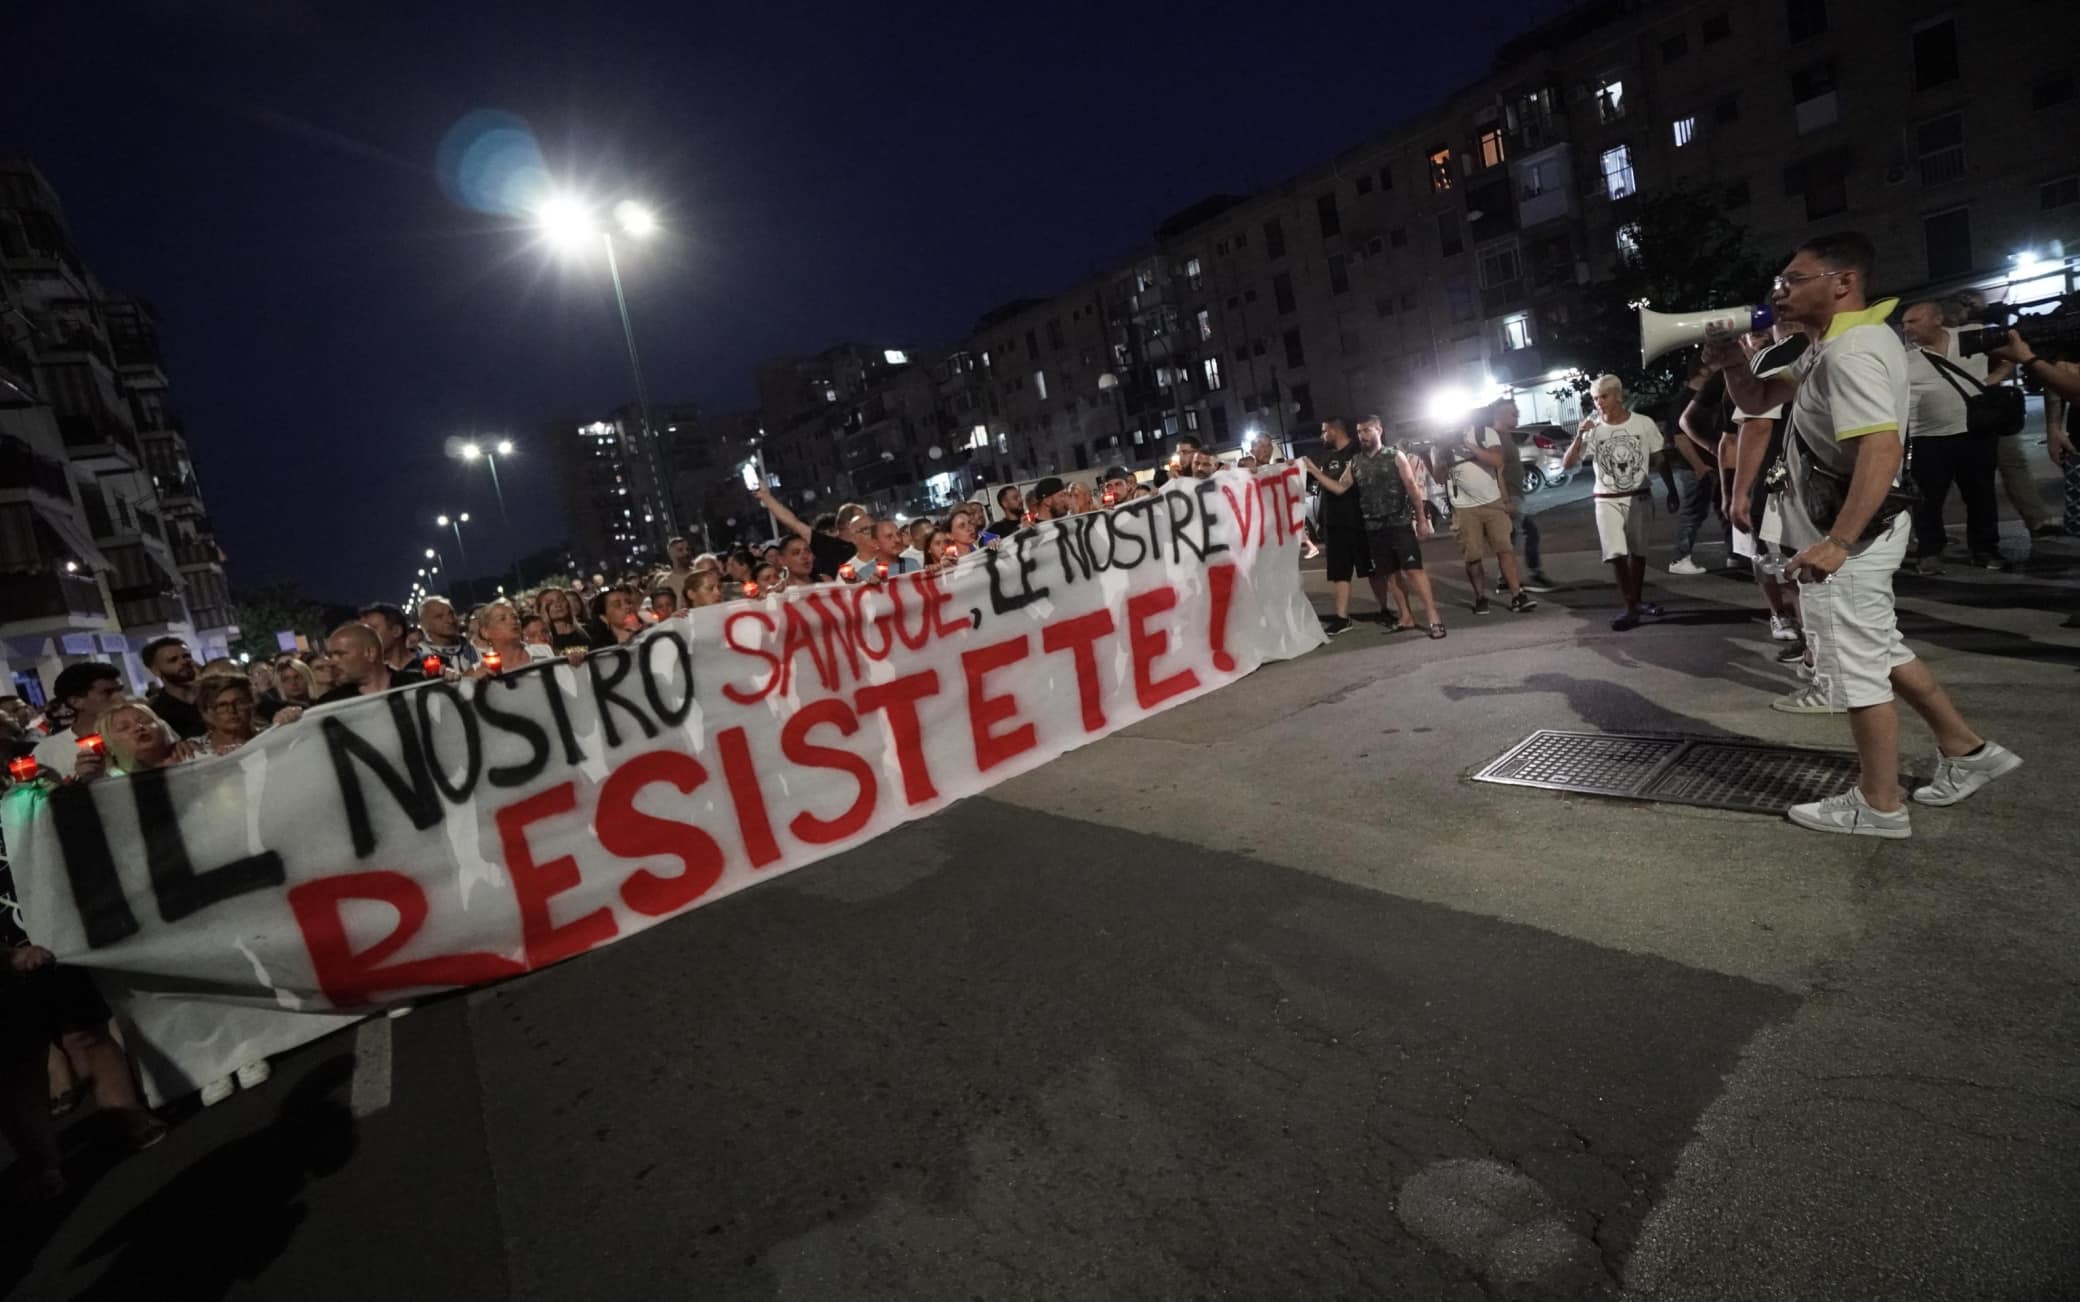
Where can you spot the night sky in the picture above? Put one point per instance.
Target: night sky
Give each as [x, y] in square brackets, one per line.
[265, 172]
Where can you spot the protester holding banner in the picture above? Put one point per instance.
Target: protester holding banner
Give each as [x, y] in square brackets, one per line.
[357, 663]
[82, 693]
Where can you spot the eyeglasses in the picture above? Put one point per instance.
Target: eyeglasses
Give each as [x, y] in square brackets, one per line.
[1786, 282]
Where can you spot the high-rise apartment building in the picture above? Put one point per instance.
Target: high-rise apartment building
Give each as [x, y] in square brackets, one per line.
[615, 484]
[105, 543]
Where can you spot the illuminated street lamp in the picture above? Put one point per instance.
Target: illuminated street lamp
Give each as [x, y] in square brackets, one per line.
[472, 450]
[456, 522]
[567, 222]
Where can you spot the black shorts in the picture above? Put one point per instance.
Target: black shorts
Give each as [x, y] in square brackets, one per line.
[1348, 554]
[1394, 548]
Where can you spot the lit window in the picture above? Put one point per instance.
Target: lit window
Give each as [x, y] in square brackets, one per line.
[1191, 272]
[1441, 169]
[1040, 384]
[1628, 241]
[1205, 323]
[1516, 331]
[1686, 131]
[894, 356]
[1491, 147]
[1610, 101]
[1213, 372]
[1617, 172]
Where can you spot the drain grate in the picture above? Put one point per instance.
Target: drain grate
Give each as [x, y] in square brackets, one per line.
[1704, 771]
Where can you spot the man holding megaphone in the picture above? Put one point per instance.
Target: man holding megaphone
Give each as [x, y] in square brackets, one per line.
[1844, 510]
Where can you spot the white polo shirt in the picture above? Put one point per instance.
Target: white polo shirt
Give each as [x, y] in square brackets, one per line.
[1851, 383]
[1473, 484]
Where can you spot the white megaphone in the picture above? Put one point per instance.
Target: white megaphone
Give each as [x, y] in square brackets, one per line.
[1661, 332]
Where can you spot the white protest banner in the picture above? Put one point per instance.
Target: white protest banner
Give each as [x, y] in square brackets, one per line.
[457, 833]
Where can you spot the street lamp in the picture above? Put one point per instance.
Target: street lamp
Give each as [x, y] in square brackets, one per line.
[456, 523]
[472, 450]
[567, 222]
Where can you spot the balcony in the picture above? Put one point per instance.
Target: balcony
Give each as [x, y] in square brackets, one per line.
[149, 609]
[17, 375]
[98, 431]
[43, 601]
[21, 467]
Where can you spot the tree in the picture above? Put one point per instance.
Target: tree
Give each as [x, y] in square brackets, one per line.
[1684, 255]
[271, 608]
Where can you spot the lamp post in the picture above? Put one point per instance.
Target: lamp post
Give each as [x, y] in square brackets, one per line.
[456, 522]
[568, 223]
[472, 450]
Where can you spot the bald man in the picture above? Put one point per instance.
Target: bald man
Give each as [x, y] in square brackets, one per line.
[357, 655]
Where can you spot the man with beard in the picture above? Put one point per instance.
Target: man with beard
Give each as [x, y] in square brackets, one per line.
[173, 700]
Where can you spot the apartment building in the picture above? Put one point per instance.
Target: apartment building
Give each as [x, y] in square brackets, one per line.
[615, 485]
[105, 542]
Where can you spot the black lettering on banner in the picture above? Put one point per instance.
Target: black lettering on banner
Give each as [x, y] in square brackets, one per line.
[654, 690]
[1150, 510]
[472, 742]
[518, 725]
[571, 753]
[90, 867]
[1202, 490]
[1116, 534]
[413, 789]
[1020, 550]
[181, 890]
[1072, 540]
[1173, 505]
[603, 691]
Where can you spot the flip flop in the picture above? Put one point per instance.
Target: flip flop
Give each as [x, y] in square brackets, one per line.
[1436, 632]
[1403, 628]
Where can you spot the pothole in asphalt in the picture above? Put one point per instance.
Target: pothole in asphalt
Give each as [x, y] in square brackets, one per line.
[1499, 1222]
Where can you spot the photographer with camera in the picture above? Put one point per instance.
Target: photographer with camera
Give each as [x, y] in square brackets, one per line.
[1841, 506]
[1966, 309]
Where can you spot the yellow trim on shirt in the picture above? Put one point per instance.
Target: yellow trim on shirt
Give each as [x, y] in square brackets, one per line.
[1887, 428]
[1875, 314]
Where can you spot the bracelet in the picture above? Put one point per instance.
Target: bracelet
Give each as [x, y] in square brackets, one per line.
[1836, 541]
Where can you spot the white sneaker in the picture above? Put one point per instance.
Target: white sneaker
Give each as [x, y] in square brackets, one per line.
[1810, 699]
[1686, 567]
[254, 1074]
[1851, 813]
[217, 1091]
[1959, 776]
[1782, 629]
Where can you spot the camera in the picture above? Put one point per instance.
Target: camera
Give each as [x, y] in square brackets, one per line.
[2050, 325]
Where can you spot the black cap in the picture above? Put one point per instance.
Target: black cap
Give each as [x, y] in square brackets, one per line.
[1115, 472]
[1048, 487]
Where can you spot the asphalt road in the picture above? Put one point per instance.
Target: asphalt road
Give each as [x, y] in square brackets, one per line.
[1259, 999]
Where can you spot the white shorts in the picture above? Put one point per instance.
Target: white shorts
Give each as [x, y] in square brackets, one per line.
[1853, 626]
[1621, 526]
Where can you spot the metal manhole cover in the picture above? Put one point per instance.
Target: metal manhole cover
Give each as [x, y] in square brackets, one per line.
[1704, 771]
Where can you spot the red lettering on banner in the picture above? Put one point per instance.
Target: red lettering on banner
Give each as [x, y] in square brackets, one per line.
[536, 884]
[1295, 514]
[839, 633]
[1148, 645]
[799, 637]
[1220, 596]
[729, 639]
[1249, 511]
[349, 977]
[632, 834]
[1271, 499]
[747, 795]
[1079, 637]
[937, 599]
[898, 700]
[795, 745]
[879, 623]
[985, 712]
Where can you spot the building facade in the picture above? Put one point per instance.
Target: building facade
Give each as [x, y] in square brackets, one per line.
[1429, 267]
[105, 542]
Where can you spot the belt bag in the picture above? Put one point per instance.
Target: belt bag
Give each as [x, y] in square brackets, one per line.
[1989, 411]
[1823, 492]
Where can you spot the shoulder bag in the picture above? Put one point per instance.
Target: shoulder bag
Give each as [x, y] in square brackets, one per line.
[1994, 411]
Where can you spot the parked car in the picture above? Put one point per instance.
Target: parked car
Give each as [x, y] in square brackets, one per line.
[1546, 446]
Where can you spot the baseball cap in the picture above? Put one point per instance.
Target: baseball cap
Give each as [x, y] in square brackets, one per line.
[1116, 472]
[1048, 487]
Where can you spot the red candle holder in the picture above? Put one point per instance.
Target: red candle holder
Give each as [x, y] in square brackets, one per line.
[432, 666]
[24, 769]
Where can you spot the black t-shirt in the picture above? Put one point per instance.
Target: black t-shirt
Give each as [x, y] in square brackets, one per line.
[406, 677]
[1717, 406]
[575, 637]
[1007, 526]
[1340, 510]
[183, 718]
[829, 554]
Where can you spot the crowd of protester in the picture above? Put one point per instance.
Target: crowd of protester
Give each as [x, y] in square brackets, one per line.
[1375, 504]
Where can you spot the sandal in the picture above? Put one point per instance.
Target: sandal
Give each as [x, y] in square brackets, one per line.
[1403, 628]
[1436, 632]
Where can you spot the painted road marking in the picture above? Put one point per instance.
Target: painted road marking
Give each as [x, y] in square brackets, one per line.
[371, 1091]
